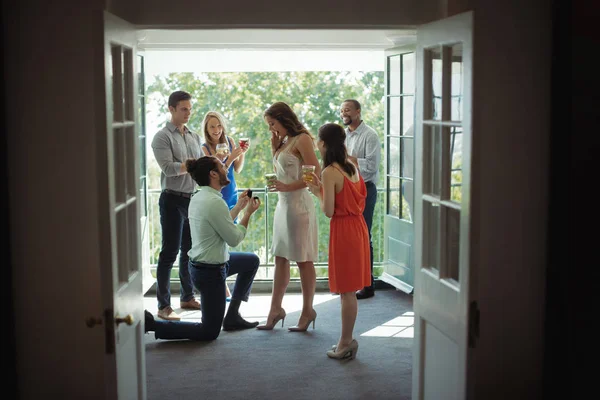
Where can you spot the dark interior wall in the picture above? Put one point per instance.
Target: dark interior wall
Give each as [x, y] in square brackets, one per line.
[572, 305]
[355, 14]
[8, 342]
[569, 339]
[509, 193]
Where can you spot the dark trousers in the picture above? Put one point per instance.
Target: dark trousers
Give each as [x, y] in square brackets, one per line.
[368, 214]
[176, 238]
[209, 280]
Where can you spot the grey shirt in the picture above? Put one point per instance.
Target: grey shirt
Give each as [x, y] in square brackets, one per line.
[171, 149]
[363, 143]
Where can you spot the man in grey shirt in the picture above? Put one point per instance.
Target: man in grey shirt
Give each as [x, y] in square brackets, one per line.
[172, 146]
[364, 149]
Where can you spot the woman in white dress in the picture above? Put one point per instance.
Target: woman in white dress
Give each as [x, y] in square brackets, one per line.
[295, 220]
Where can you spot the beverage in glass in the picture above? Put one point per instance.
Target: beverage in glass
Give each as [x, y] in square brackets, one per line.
[271, 178]
[244, 142]
[307, 171]
[222, 149]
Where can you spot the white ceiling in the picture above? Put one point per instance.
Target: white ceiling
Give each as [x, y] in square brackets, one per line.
[274, 39]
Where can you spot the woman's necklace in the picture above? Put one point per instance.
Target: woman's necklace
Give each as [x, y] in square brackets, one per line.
[283, 141]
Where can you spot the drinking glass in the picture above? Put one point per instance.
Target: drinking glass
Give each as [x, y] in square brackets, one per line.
[244, 142]
[307, 171]
[222, 149]
[271, 178]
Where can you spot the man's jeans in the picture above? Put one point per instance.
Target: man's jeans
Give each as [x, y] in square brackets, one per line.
[210, 282]
[176, 238]
[368, 214]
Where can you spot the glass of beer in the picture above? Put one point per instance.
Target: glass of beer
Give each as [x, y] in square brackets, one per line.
[271, 178]
[222, 149]
[307, 171]
[244, 142]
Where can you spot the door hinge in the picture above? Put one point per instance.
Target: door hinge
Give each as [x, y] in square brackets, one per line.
[473, 323]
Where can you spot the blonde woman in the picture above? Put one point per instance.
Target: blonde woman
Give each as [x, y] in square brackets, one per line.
[215, 132]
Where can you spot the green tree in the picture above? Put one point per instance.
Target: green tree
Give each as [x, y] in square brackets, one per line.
[242, 98]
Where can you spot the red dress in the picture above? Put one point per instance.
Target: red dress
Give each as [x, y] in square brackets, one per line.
[349, 254]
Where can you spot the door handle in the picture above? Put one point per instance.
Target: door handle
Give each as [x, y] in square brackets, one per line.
[128, 320]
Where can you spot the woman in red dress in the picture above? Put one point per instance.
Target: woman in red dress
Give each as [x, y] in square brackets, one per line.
[342, 193]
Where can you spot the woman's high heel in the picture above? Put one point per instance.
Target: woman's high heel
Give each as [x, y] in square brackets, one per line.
[303, 328]
[349, 353]
[269, 326]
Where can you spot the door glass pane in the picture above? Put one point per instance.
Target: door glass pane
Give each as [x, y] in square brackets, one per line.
[143, 196]
[456, 82]
[117, 83]
[119, 152]
[393, 197]
[394, 74]
[394, 156]
[407, 199]
[435, 57]
[456, 164]
[133, 224]
[408, 151]
[140, 75]
[128, 82]
[431, 235]
[408, 73]
[141, 118]
[122, 245]
[394, 116]
[432, 154]
[130, 149]
[408, 115]
[452, 241]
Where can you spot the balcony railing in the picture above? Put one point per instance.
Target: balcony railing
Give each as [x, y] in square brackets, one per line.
[260, 230]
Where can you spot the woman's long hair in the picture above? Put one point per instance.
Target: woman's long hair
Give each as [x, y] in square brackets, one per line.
[333, 135]
[213, 114]
[286, 117]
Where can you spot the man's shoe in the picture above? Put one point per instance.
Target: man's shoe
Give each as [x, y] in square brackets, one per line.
[148, 321]
[365, 293]
[168, 314]
[236, 323]
[192, 304]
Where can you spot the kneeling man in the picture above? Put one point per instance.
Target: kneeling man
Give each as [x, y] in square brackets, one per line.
[213, 231]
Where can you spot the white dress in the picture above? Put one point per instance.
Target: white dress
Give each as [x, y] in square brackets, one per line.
[295, 220]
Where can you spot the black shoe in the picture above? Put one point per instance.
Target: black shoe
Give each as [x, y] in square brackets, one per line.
[236, 322]
[365, 293]
[148, 321]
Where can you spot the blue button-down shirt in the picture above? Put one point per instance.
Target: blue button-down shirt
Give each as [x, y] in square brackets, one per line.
[171, 149]
[363, 143]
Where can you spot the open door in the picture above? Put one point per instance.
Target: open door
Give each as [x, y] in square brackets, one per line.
[147, 279]
[122, 278]
[400, 77]
[444, 338]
